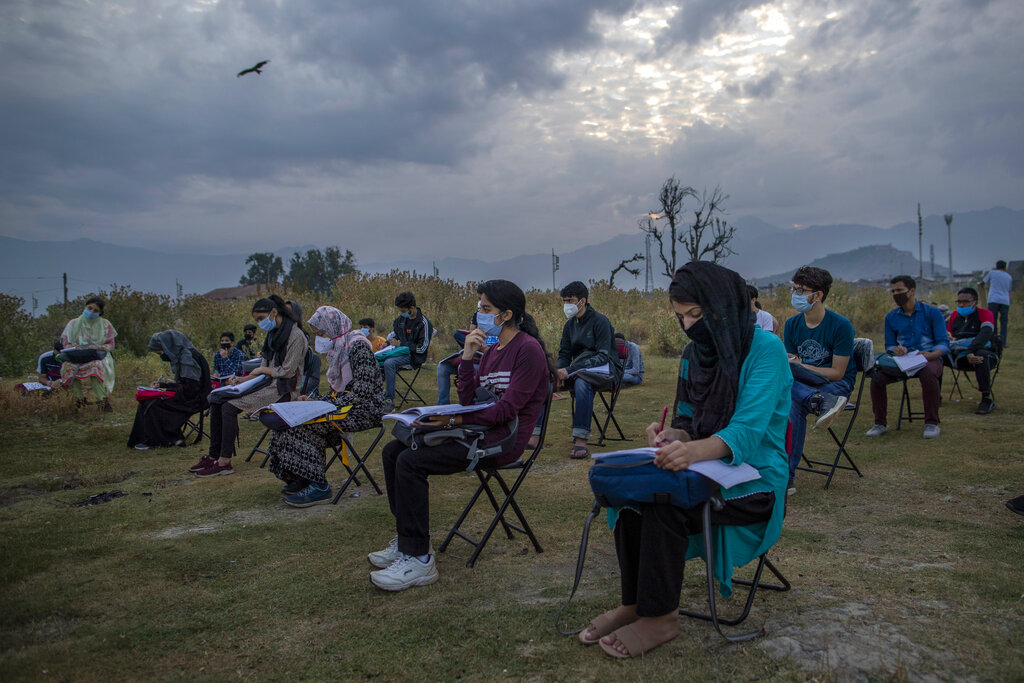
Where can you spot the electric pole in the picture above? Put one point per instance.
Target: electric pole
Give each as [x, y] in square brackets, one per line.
[931, 250]
[65, 295]
[949, 236]
[920, 236]
[648, 275]
[554, 267]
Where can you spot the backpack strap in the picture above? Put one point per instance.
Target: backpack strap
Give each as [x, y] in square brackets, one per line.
[579, 570]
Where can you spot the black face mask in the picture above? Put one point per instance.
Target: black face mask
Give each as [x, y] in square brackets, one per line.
[250, 335]
[901, 299]
[699, 333]
[164, 357]
[225, 345]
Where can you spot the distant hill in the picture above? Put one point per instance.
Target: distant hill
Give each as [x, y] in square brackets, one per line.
[865, 263]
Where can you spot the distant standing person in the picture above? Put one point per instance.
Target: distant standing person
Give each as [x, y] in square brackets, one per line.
[999, 283]
[765, 320]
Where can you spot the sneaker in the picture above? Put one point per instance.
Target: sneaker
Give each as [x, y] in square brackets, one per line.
[1016, 505]
[829, 407]
[986, 406]
[215, 470]
[791, 491]
[309, 496]
[405, 572]
[931, 431]
[877, 430]
[141, 447]
[203, 463]
[382, 559]
[294, 486]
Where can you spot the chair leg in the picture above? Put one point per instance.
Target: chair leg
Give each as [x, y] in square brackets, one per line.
[256, 449]
[360, 464]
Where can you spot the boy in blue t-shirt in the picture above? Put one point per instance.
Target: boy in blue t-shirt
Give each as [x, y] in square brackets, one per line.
[820, 344]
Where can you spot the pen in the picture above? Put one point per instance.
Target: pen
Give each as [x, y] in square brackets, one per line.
[664, 414]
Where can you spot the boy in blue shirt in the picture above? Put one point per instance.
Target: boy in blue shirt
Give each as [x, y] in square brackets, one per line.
[820, 344]
[911, 326]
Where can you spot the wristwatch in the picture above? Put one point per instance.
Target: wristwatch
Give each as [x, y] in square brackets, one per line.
[451, 422]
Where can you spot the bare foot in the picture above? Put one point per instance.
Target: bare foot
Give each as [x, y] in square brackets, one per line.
[607, 622]
[643, 635]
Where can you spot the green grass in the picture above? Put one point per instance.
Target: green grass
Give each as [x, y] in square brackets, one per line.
[217, 579]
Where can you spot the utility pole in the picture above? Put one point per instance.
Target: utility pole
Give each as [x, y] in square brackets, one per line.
[648, 275]
[931, 249]
[949, 236]
[554, 267]
[178, 288]
[65, 295]
[920, 236]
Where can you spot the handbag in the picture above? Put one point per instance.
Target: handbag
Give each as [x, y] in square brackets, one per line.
[631, 479]
[79, 356]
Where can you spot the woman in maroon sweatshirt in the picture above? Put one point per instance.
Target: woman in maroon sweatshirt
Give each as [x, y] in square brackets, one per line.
[517, 370]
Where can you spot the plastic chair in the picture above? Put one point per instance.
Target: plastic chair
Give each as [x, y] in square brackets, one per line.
[485, 477]
[864, 357]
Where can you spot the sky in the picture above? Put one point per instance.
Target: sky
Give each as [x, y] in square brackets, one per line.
[491, 128]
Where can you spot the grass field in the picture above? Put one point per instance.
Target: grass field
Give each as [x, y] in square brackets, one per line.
[912, 572]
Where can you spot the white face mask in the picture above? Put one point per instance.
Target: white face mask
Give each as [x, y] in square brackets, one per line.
[323, 344]
[570, 310]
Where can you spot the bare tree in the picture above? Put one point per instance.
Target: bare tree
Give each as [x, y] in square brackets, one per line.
[624, 265]
[707, 234]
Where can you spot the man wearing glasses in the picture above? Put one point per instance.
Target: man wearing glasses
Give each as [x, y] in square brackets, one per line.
[819, 343]
[971, 330]
[911, 327]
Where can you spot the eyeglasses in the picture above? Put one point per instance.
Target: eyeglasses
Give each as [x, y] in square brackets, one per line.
[965, 302]
[801, 291]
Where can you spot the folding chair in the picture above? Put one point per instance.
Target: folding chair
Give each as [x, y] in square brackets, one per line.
[341, 453]
[485, 476]
[997, 352]
[609, 397]
[908, 414]
[716, 503]
[194, 425]
[310, 388]
[403, 396]
[864, 357]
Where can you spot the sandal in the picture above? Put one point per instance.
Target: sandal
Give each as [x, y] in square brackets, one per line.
[579, 453]
[636, 643]
[601, 625]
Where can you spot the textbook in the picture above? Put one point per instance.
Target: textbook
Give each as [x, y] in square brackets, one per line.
[911, 362]
[298, 412]
[597, 370]
[243, 387]
[717, 471]
[410, 415]
[34, 386]
[166, 391]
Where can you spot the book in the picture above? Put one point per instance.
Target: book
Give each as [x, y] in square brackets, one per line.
[166, 391]
[723, 474]
[295, 413]
[911, 363]
[34, 386]
[244, 387]
[410, 415]
[597, 370]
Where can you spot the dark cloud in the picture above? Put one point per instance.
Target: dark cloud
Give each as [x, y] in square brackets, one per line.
[699, 20]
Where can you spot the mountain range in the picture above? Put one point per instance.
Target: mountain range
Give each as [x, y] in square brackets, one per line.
[764, 253]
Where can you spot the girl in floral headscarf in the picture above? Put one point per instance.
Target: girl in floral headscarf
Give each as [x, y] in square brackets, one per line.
[297, 456]
[90, 331]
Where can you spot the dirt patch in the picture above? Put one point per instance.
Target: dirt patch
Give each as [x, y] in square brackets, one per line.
[100, 498]
[19, 493]
[854, 643]
[251, 517]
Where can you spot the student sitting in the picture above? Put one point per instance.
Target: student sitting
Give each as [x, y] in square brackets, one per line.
[765, 320]
[971, 331]
[369, 329]
[249, 347]
[283, 353]
[732, 403]
[516, 370]
[158, 421]
[911, 326]
[297, 455]
[48, 367]
[447, 369]
[820, 344]
[412, 332]
[633, 370]
[90, 331]
[588, 341]
[228, 360]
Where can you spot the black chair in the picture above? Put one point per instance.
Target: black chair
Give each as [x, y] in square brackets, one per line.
[609, 397]
[995, 353]
[403, 396]
[194, 425]
[485, 477]
[310, 388]
[712, 615]
[864, 357]
[348, 448]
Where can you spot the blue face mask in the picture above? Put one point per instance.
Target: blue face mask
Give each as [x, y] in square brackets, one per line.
[89, 314]
[801, 303]
[964, 311]
[267, 324]
[365, 331]
[485, 321]
[404, 315]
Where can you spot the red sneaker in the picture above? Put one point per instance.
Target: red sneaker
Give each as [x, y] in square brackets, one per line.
[203, 463]
[215, 470]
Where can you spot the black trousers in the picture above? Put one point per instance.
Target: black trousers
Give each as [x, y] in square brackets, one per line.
[223, 430]
[405, 476]
[982, 371]
[651, 546]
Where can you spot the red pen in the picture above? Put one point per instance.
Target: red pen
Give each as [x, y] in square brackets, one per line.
[664, 414]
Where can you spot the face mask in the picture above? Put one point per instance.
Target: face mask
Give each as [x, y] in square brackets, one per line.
[225, 345]
[89, 314]
[323, 344]
[801, 303]
[365, 331]
[249, 335]
[570, 310]
[404, 315]
[485, 321]
[267, 324]
[964, 311]
[699, 333]
[901, 299]
[164, 357]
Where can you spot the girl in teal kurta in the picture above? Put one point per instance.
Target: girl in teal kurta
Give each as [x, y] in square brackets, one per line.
[732, 402]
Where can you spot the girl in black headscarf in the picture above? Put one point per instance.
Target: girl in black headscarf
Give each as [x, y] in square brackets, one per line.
[158, 421]
[732, 402]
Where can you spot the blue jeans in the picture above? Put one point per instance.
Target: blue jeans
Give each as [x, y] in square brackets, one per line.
[444, 382]
[583, 411]
[631, 380]
[805, 385]
[390, 367]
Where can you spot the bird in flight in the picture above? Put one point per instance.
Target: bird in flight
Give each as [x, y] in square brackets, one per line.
[254, 69]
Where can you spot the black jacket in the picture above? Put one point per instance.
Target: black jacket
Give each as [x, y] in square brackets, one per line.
[414, 333]
[588, 341]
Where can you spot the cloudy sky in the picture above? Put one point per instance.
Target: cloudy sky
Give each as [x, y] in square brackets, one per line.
[491, 128]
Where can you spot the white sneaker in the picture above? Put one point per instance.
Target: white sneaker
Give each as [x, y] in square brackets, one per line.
[405, 572]
[877, 430]
[382, 559]
[931, 431]
[141, 447]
